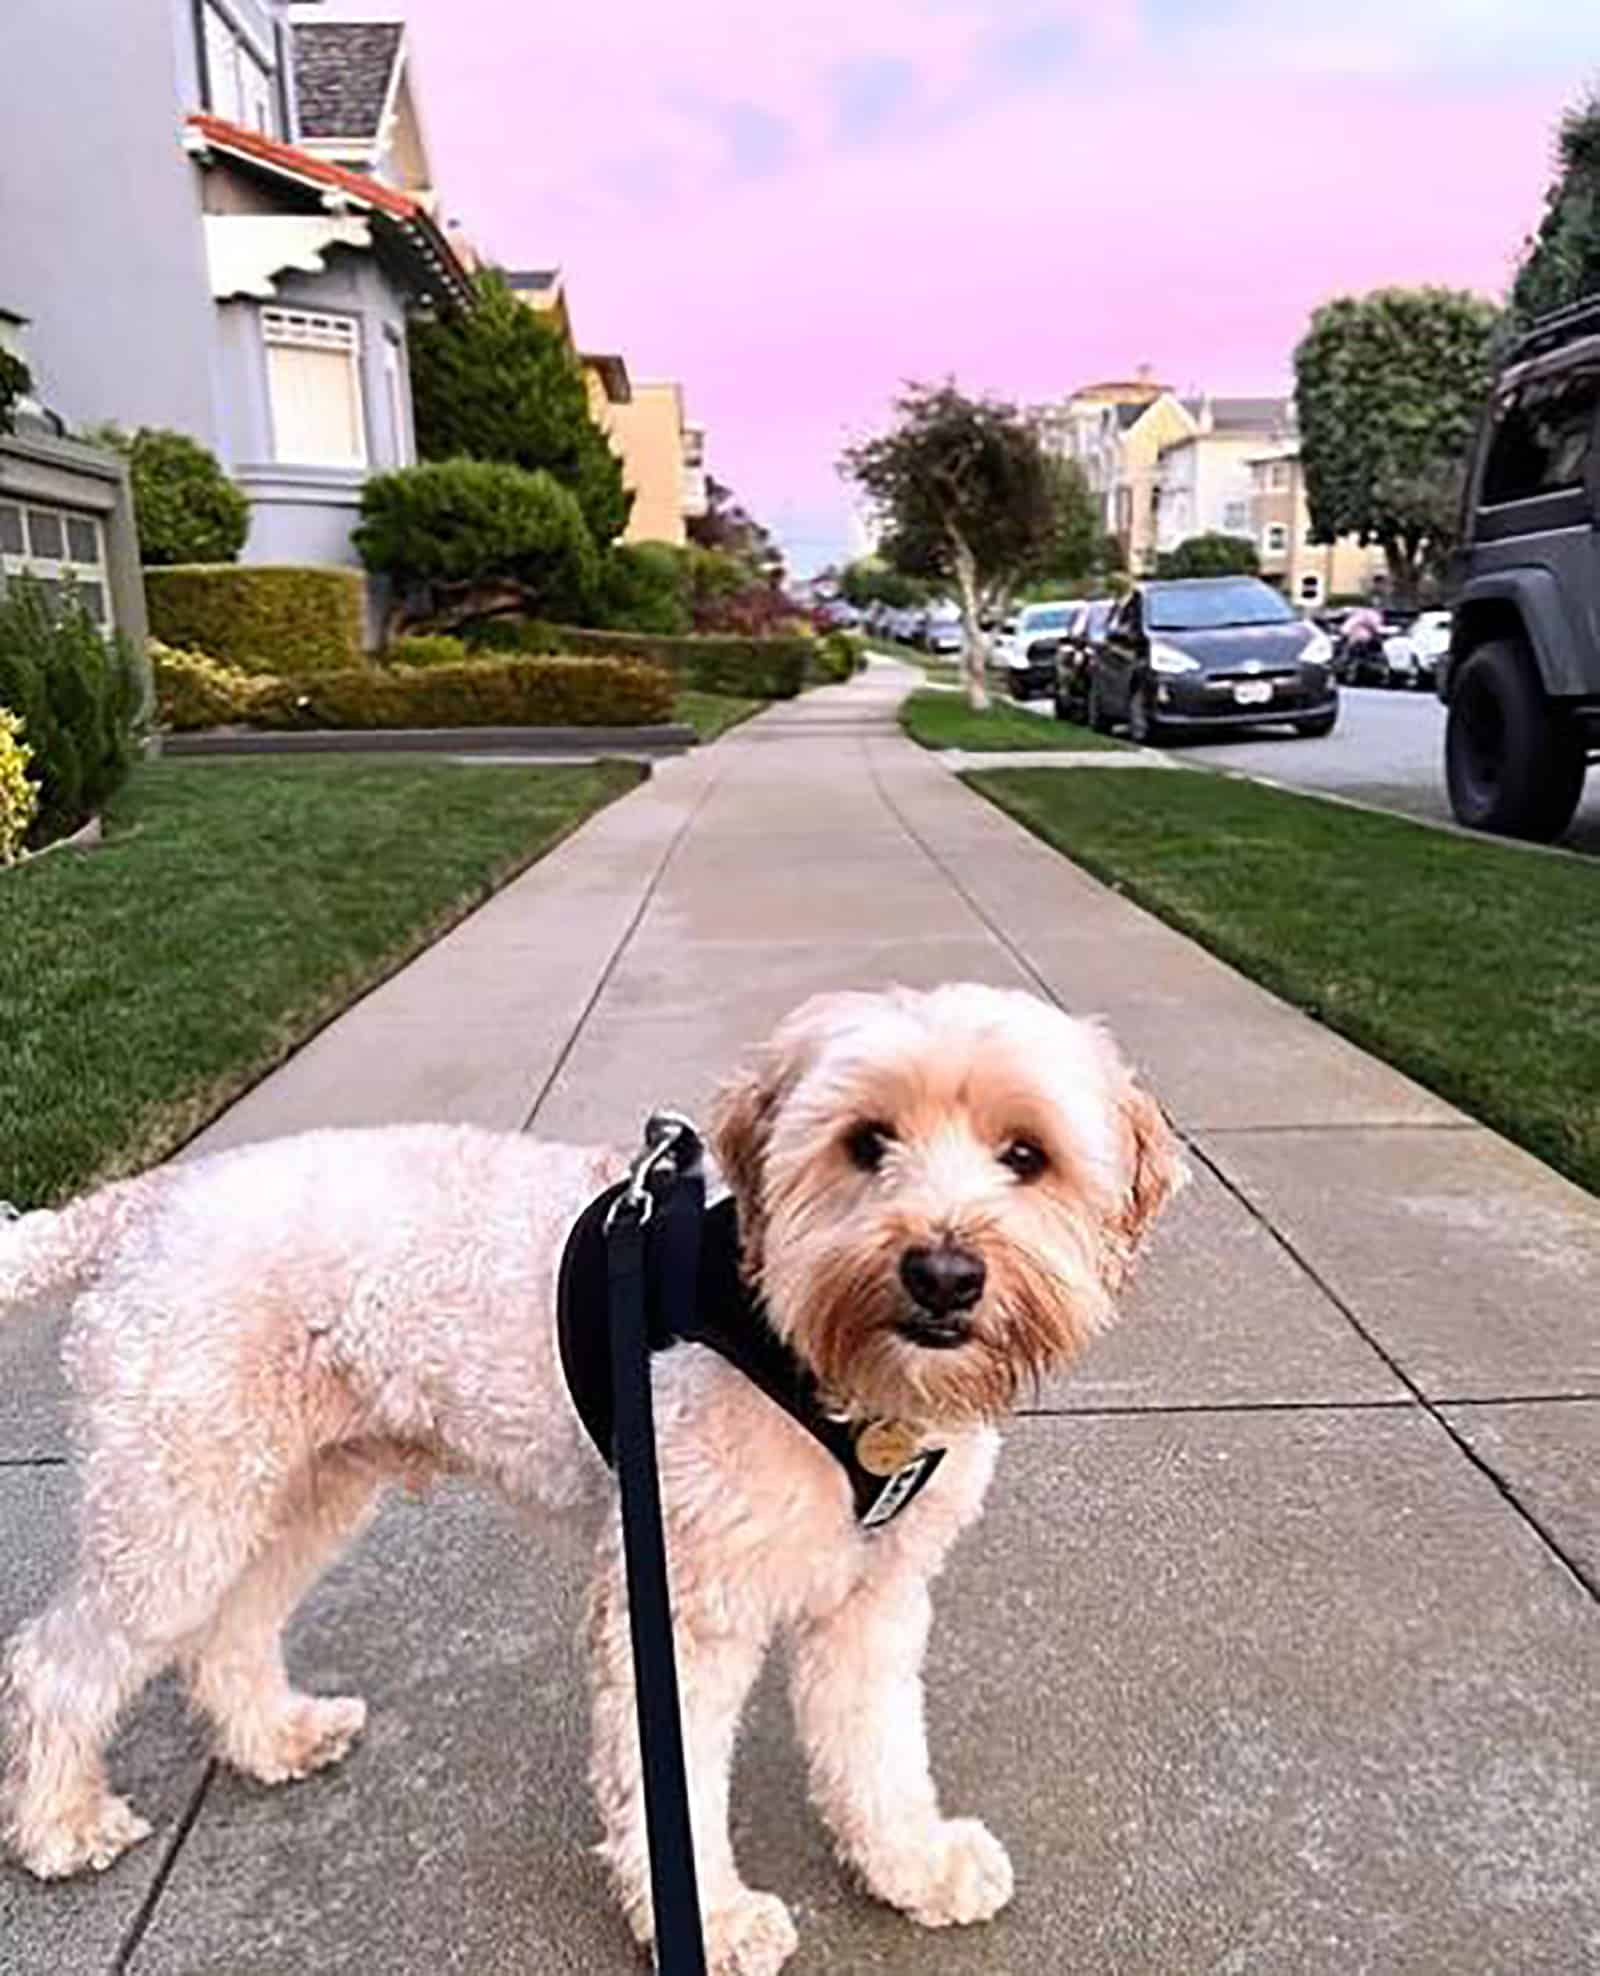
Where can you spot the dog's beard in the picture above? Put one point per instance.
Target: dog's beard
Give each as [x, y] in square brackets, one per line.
[838, 1299]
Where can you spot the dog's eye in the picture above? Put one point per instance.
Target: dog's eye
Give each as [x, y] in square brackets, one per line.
[1025, 1158]
[867, 1145]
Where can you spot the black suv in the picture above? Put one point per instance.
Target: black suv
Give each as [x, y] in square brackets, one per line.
[1522, 679]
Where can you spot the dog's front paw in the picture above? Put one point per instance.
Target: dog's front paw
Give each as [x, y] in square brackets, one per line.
[958, 1872]
[312, 1732]
[97, 1835]
[751, 1936]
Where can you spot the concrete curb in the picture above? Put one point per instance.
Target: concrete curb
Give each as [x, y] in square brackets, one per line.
[671, 738]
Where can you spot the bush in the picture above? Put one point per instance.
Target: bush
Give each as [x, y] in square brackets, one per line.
[78, 698]
[15, 382]
[19, 796]
[426, 649]
[751, 668]
[1211, 555]
[260, 617]
[185, 507]
[643, 587]
[482, 693]
[196, 691]
[839, 654]
[461, 527]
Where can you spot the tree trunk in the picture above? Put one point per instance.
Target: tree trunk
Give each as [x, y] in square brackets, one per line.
[973, 655]
[1402, 559]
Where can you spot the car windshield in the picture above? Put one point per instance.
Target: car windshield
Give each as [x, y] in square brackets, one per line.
[1211, 606]
[1053, 619]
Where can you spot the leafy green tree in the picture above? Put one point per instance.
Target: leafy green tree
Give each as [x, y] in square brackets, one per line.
[1561, 263]
[970, 497]
[870, 580]
[461, 539]
[498, 383]
[644, 587]
[1211, 555]
[185, 508]
[729, 528]
[1388, 389]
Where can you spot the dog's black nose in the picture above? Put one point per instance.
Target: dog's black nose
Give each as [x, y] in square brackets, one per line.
[944, 1280]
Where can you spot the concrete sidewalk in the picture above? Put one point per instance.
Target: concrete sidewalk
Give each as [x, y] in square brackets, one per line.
[1277, 1649]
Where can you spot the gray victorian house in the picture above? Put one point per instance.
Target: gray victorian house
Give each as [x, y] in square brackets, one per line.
[217, 215]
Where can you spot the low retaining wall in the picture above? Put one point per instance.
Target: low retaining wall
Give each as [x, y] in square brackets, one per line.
[670, 738]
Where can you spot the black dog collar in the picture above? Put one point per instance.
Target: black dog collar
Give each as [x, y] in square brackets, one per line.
[885, 1468]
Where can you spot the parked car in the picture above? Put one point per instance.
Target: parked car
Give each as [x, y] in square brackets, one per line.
[1412, 655]
[1521, 677]
[1210, 652]
[1075, 654]
[1028, 654]
[943, 631]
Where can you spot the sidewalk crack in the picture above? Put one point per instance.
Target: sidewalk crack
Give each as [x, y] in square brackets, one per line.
[132, 1940]
[1463, 1446]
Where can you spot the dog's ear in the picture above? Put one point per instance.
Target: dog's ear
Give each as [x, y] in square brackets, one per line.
[745, 1109]
[1153, 1173]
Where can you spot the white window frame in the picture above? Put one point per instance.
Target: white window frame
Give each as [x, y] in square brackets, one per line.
[1310, 587]
[240, 85]
[394, 389]
[1275, 538]
[316, 329]
[1236, 517]
[1278, 476]
[65, 569]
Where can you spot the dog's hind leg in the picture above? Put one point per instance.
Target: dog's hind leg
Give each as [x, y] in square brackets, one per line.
[67, 1675]
[235, 1668]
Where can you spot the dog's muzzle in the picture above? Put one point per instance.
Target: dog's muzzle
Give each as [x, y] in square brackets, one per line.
[945, 1284]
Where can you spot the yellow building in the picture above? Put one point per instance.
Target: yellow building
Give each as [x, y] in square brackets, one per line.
[1307, 571]
[663, 457]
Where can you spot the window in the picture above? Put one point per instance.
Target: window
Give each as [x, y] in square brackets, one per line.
[1236, 518]
[1543, 437]
[1276, 539]
[1278, 476]
[64, 549]
[1311, 588]
[314, 384]
[239, 83]
[1215, 604]
[394, 389]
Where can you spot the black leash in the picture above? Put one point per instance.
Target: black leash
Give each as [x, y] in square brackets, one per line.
[653, 1241]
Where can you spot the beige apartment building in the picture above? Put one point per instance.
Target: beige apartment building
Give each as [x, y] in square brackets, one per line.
[662, 454]
[1308, 572]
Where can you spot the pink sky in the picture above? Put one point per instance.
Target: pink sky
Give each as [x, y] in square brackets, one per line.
[792, 214]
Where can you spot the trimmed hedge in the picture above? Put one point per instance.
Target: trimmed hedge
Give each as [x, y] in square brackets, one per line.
[196, 692]
[840, 655]
[261, 617]
[79, 700]
[426, 649]
[750, 668]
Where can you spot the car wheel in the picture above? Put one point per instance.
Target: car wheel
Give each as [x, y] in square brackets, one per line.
[1317, 726]
[1143, 726]
[1513, 762]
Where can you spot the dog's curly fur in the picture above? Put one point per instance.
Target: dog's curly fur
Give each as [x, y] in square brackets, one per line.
[261, 1341]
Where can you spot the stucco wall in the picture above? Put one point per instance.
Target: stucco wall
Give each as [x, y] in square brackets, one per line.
[97, 213]
[648, 437]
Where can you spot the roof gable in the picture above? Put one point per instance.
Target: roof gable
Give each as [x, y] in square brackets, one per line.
[344, 73]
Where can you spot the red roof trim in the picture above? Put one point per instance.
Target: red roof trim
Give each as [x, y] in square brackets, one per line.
[251, 144]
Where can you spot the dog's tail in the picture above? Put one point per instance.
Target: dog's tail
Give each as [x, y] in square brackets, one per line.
[53, 1251]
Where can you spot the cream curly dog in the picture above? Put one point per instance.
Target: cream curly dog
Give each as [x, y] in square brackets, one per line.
[939, 1195]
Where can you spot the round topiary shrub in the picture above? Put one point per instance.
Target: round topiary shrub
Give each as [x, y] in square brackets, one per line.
[185, 507]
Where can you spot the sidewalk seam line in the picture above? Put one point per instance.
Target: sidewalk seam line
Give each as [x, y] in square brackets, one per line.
[133, 1938]
[35, 1461]
[1429, 1406]
[1134, 1409]
[623, 943]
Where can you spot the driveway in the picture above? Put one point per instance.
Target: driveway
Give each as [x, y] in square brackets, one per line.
[1387, 749]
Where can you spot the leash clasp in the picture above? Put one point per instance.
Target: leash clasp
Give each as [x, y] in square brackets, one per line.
[671, 1146]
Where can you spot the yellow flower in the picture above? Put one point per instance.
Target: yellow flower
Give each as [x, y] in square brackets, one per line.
[19, 797]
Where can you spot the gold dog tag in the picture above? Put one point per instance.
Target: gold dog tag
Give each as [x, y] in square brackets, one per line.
[884, 1447]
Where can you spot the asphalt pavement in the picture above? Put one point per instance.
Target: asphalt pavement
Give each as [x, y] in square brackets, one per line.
[1387, 749]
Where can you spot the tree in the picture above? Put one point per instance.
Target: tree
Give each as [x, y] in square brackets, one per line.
[1211, 555]
[968, 495]
[463, 539]
[498, 383]
[15, 382]
[1388, 390]
[644, 587]
[729, 527]
[1561, 264]
[185, 508]
[871, 581]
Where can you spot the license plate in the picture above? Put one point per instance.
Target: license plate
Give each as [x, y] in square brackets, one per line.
[1254, 693]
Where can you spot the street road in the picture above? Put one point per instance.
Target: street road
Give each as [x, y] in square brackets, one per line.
[1387, 749]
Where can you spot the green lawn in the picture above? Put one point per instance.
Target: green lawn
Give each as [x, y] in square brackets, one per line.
[711, 714]
[944, 720]
[1472, 966]
[235, 906]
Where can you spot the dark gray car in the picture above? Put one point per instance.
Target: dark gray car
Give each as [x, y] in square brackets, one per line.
[1210, 652]
[1522, 676]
